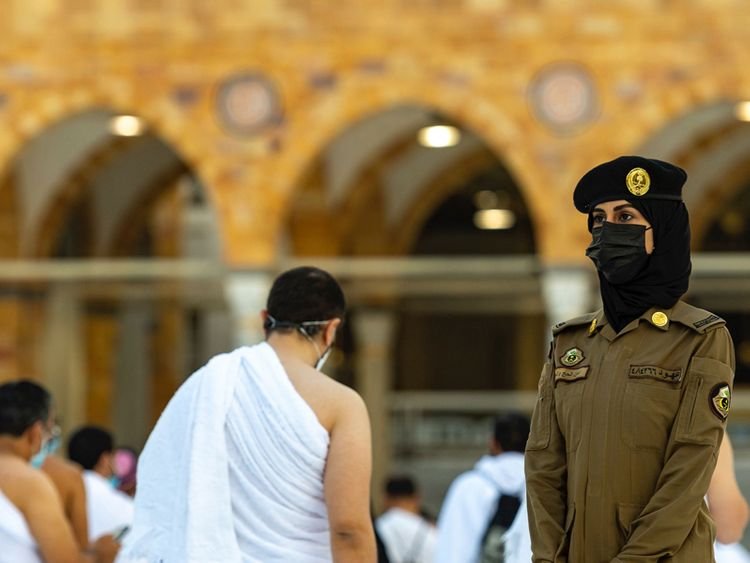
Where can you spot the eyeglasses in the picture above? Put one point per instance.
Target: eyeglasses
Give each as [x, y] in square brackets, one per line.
[54, 432]
[52, 436]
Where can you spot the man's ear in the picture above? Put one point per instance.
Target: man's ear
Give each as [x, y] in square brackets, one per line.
[34, 435]
[330, 331]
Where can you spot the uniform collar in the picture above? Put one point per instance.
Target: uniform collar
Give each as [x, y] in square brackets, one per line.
[656, 316]
[598, 323]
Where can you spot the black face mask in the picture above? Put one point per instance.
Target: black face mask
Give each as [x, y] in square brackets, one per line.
[618, 251]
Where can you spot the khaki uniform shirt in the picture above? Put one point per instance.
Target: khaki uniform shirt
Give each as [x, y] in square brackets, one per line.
[624, 438]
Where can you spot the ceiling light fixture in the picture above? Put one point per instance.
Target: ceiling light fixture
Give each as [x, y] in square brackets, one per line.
[494, 219]
[742, 111]
[126, 125]
[439, 136]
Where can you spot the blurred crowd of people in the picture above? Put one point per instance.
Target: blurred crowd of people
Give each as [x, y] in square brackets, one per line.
[82, 503]
[490, 499]
[55, 508]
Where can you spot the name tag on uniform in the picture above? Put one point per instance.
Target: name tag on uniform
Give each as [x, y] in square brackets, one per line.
[655, 372]
[570, 374]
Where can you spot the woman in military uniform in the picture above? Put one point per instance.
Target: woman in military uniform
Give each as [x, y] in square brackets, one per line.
[633, 398]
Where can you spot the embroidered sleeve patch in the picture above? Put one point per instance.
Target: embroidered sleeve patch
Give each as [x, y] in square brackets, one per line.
[655, 372]
[568, 374]
[721, 400]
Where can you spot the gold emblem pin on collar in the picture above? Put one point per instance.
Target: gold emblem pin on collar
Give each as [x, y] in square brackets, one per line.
[659, 319]
[638, 182]
[592, 327]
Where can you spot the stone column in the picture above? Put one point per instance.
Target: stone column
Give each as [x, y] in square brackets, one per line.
[63, 354]
[527, 358]
[11, 343]
[374, 335]
[568, 292]
[246, 293]
[133, 368]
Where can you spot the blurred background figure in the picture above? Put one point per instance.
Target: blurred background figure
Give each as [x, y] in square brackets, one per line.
[728, 508]
[33, 527]
[495, 487]
[125, 466]
[68, 480]
[109, 510]
[407, 535]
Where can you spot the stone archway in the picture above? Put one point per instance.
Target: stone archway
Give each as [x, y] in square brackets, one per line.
[111, 358]
[713, 146]
[196, 140]
[355, 101]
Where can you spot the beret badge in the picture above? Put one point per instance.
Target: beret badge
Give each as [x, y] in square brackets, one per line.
[638, 182]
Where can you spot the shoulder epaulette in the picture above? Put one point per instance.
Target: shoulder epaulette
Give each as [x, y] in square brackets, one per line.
[697, 319]
[577, 321]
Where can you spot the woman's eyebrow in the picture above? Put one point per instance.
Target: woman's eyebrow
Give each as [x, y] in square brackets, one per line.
[617, 208]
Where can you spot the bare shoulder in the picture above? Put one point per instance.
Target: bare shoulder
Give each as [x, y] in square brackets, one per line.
[20, 483]
[341, 399]
[328, 398]
[55, 466]
[351, 410]
[343, 392]
[66, 475]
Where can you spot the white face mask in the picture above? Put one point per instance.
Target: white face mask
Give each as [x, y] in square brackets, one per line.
[322, 359]
[48, 447]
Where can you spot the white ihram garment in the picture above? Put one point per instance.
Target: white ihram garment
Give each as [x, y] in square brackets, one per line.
[17, 545]
[408, 538]
[233, 471]
[731, 553]
[108, 509]
[471, 502]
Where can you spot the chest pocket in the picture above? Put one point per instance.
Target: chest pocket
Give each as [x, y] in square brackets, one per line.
[652, 397]
[569, 386]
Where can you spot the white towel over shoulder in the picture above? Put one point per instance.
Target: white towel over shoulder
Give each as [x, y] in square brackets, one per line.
[16, 542]
[233, 470]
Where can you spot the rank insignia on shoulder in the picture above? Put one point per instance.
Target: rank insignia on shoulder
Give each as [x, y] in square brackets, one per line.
[572, 357]
[721, 399]
[707, 321]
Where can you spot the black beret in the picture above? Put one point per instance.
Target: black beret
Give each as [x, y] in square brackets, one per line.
[631, 178]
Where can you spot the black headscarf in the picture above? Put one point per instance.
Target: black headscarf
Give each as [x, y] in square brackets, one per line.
[666, 275]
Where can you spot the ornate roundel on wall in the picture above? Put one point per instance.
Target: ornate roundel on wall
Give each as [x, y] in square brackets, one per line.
[563, 96]
[248, 103]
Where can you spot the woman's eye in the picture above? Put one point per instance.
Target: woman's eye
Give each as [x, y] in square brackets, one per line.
[625, 217]
[597, 220]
